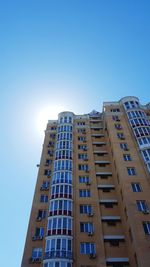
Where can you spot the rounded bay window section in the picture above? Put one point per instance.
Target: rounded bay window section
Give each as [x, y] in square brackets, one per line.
[58, 250]
[60, 225]
[59, 247]
[61, 191]
[140, 126]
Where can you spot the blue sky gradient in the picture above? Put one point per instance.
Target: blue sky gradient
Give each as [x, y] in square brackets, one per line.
[73, 54]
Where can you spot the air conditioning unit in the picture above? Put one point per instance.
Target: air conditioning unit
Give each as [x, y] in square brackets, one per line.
[37, 260]
[39, 219]
[88, 183]
[46, 188]
[34, 238]
[145, 211]
[90, 214]
[92, 255]
[86, 170]
[90, 233]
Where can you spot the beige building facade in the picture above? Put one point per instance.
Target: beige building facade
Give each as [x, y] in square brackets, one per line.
[91, 205]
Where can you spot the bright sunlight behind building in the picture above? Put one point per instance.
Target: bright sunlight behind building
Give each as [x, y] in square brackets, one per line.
[46, 113]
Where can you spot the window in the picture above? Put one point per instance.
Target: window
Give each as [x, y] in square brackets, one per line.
[39, 232]
[81, 123]
[146, 154]
[59, 226]
[136, 187]
[59, 247]
[65, 128]
[141, 205]
[51, 144]
[86, 227]
[81, 138]
[62, 177]
[131, 104]
[48, 162]
[64, 136]
[47, 172]
[83, 167]
[120, 136]
[65, 119]
[82, 147]
[146, 226]
[115, 118]
[61, 191]
[41, 215]
[118, 126]
[45, 185]
[57, 264]
[85, 209]
[87, 248]
[84, 179]
[37, 253]
[127, 105]
[50, 152]
[81, 130]
[115, 110]
[144, 141]
[142, 131]
[82, 156]
[63, 165]
[84, 193]
[64, 145]
[52, 136]
[60, 207]
[63, 154]
[139, 122]
[44, 198]
[131, 171]
[127, 157]
[123, 146]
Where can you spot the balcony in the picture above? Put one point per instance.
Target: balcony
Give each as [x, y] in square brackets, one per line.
[106, 188]
[97, 135]
[40, 237]
[114, 240]
[108, 203]
[104, 175]
[117, 262]
[57, 254]
[96, 127]
[102, 162]
[111, 220]
[99, 143]
[44, 188]
[35, 260]
[102, 152]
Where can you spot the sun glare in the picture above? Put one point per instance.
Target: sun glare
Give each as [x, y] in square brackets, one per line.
[47, 113]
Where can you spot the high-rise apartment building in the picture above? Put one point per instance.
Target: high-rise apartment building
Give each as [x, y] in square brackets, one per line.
[91, 206]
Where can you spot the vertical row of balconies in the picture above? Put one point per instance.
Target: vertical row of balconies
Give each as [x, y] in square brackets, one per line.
[113, 236]
[140, 126]
[58, 249]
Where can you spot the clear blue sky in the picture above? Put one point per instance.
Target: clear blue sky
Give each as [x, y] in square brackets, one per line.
[73, 54]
